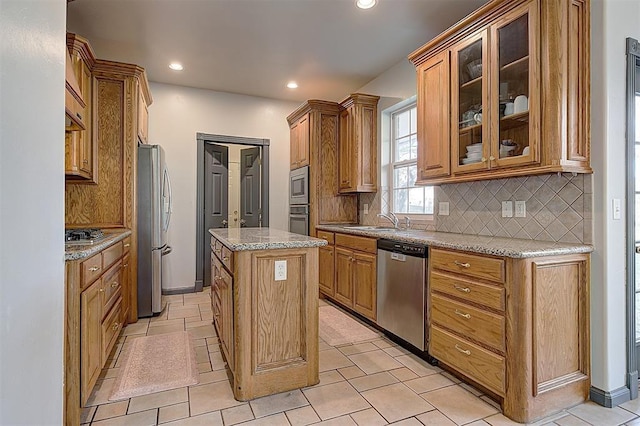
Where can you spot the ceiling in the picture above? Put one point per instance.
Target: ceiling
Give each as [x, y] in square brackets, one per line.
[254, 47]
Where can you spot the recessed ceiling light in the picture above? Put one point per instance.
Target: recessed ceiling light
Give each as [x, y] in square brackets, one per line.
[365, 4]
[292, 85]
[176, 66]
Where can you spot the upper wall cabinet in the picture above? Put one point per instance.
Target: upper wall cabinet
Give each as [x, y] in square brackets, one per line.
[358, 144]
[299, 142]
[481, 86]
[80, 152]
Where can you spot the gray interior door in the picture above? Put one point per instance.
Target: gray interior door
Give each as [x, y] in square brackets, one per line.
[250, 209]
[216, 198]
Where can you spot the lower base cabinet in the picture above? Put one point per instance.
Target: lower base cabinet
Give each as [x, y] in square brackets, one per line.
[351, 280]
[519, 328]
[268, 328]
[95, 294]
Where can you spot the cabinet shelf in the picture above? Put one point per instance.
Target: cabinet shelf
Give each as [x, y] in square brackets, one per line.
[522, 62]
[514, 120]
[474, 82]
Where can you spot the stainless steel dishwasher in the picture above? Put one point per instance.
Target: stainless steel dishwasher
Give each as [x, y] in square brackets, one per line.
[402, 289]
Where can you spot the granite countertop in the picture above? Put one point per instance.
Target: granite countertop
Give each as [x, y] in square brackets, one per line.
[497, 246]
[82, 252]
[239, 239]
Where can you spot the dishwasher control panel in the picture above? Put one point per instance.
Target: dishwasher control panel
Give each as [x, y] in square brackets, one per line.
[403, 247]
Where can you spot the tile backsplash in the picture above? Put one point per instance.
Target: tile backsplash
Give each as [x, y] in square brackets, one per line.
[558, 208]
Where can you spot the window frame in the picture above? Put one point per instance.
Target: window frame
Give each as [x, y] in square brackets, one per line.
[393, 164]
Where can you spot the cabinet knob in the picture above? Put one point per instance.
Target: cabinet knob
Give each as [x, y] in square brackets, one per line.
[492, 158]
[125, 265]
[115, 326]
[484, 159]
[101, 289]
[94, 268]
[85, 161]
[464, 351]
[224, 259]
[114, 284]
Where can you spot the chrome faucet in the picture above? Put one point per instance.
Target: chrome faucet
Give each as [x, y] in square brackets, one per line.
[391, 217]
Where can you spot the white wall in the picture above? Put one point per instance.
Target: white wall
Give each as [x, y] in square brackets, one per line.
[32, 40]
[176, 115]
[612, 22]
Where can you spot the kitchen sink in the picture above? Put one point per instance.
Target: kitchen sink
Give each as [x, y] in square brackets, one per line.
[371, 228]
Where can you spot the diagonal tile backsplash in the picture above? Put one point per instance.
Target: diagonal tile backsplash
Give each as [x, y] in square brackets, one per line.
[558, 208]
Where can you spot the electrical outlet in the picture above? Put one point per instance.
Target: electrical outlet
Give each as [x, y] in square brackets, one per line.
[443, 208]
[507, 209]
[280, 270]
[521, 209]
[366, 208]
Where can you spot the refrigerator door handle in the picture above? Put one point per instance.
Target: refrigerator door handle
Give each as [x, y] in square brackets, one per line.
[165, 251]
[168, 206]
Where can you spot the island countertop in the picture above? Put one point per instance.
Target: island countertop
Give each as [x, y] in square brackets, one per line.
[240, 239]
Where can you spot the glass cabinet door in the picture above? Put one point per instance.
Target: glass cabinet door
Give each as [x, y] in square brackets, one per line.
[514, 103]
[469, 104]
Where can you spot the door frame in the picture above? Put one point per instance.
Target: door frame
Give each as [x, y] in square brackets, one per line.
[633, 62]
[201, 139]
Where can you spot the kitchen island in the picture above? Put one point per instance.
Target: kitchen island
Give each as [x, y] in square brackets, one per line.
[264, 297]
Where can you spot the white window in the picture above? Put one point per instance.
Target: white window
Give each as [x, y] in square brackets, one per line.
[406, 197]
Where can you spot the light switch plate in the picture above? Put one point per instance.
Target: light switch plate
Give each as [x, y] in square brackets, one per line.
[507, 209]
[617, 209]
[521, 209]
[280, 270]
[443, 208]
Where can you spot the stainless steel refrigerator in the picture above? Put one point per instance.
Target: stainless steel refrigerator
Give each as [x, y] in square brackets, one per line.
[154, 215]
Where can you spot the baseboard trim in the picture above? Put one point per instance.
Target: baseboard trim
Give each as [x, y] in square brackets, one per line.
[609, 399]
[632, 378]
[182, 290]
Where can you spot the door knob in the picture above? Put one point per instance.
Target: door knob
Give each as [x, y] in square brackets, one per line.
[638, 249]
[242, 222]
[224, 223]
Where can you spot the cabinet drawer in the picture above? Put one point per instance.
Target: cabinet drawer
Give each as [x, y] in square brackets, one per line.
[327, 236]
[483, 294]
[91, 269]
[472, 265]
[111, 285]
[483, 326]
[126, 245]
[227, 258]
[479, 364]
[111, 254]
[111, 327]
[354, 242]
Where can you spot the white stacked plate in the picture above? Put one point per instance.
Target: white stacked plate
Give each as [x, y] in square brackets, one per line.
[474, 154]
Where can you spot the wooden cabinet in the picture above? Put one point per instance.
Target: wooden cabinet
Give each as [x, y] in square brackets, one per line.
[327, 267]
[517, 327]
[358, 144]
[300, 143]
[267, 327]
[222, 304]
[143, 117]
[80, 152]
[502, 61]
[326, 205]
[355, 274]
[95, 300]
[119, 93]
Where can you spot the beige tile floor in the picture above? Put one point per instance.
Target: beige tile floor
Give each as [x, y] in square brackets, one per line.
[365, 384]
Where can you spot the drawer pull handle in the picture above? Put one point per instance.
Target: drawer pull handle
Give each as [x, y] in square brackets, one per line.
[115, 326]
[94, 268]
[125, 265]
[101, 289]
[463, 265]
[225, 259]
[463, 315]
[464, 351]
[127, 245]
[463, 289]
[114, 284]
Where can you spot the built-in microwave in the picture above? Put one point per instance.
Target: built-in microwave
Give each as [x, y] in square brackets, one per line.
[299, 186]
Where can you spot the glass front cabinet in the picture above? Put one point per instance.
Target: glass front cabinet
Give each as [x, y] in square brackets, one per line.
[500, 69]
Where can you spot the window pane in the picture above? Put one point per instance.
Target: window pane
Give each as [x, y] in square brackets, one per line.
[413, 174]
[403, 149]
[402, 124]
[428, 200]
[414, 147]
[401, 179]
[400, 199]
[416, 200]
